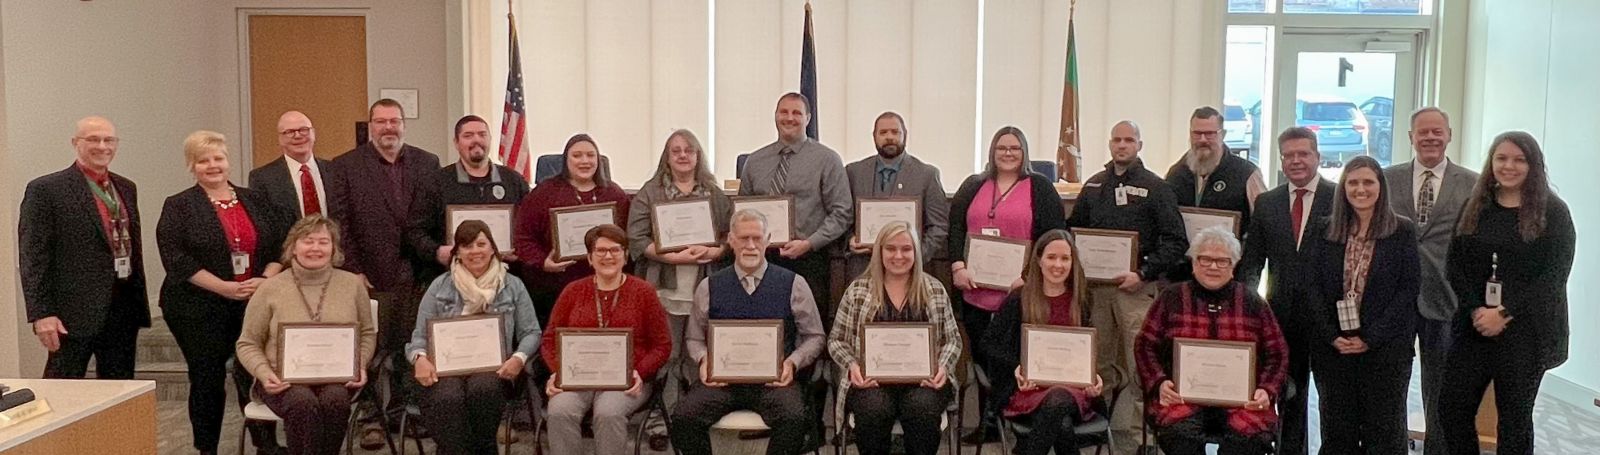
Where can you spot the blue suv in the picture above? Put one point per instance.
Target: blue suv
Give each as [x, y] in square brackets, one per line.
[1341, 128]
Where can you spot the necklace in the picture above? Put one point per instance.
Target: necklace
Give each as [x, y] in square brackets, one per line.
[322, 295]
[233, 201]
[599, 311]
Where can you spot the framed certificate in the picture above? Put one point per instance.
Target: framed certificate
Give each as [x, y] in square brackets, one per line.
[995, 262]
[872, 214]
[569, 224]
[681, 223]
[779, 211]
[467, 344]
[317, 353]
[497, 216]
[1196, 218]
[1104, 253]
[897, 353]
[595, 359]
[1058, 355]
[1214, 372]
[745, 351]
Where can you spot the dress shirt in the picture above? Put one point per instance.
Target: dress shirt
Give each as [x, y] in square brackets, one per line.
[823, 208]
[810, 337]
[316, 179]
[1305, 212]
[1416, 178]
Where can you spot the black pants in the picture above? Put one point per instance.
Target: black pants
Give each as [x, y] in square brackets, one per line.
[812, 266]
[1362, 403]
[207, 341]
[463, 412]
[975, 321]
[113, 349]
[314, 416]
[1050, 424]
[397, 317]
[915, 407]
[782, 408]
[1189, 436]
[1433, 339]
[1513, 365]
[1292, 411]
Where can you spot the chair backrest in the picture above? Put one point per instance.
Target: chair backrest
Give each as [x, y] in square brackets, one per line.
[372, 305]
[1045, 167]
[738, 165]
[549, 165]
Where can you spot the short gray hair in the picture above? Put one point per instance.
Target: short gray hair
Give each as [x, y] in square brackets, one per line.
[749, 215]
[1215, 235]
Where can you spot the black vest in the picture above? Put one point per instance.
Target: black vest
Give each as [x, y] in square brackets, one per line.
[1224, 188]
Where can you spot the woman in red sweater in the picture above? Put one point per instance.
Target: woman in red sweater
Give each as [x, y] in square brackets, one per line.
[608, 299]
[583, 180]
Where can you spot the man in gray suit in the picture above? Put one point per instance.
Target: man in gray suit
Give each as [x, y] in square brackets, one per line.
[895, 173]
[1432, 191]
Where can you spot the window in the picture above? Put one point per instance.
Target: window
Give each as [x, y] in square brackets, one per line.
[1352, 7]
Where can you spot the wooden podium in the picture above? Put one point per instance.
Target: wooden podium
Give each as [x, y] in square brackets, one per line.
[86, 417]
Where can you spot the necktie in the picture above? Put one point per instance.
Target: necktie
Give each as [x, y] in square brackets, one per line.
[749, 284]
[780, 177]
[308, 192]
[1425, 197]
[1296, 211]
[885, 176]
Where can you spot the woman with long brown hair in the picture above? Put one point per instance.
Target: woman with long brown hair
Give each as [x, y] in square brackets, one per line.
[1054, 292]
[1509, 265]
[583, 180]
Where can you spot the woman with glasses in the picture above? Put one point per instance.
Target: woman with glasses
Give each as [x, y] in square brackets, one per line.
[607, 299]
[583, 180]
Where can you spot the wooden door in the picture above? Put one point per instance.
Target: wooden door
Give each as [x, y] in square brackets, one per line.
[313, 64]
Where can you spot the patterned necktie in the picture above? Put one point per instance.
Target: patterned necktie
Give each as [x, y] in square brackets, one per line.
[780, 177]
[1425, 197]
[308, 191]
[1296, 211]
[885, 176]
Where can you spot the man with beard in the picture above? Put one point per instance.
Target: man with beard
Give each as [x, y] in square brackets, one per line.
[895, 173]
[1127, 197]
[1208, 177]
[297, 183]
[473, 179]
[1432, 191]
[376, 184]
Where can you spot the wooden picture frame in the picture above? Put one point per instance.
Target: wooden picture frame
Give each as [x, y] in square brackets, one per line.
[712, 329]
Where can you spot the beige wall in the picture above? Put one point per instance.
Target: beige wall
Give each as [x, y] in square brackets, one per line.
[161, 70]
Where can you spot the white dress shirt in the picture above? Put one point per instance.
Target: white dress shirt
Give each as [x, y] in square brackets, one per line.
[1305, 209]
[316, 179]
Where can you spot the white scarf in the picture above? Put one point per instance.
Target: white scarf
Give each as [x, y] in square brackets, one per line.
[476, 293]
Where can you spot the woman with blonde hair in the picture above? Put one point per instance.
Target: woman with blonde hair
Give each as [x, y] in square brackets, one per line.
[894, 289]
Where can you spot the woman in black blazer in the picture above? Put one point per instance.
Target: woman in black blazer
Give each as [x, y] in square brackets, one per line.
[1518, 234]
[1364, 319]
[217, 242]
[988, 203]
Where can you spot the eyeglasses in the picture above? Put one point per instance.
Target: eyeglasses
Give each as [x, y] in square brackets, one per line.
[609, 251]
[1008, 149]
[1198, 133]
[1214, 262]
[96, 140]
[301, 131]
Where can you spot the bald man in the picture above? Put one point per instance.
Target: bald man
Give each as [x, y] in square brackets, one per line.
[295, 182]
[81, 261]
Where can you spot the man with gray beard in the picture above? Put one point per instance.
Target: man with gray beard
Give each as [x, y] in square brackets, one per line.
[1209, 177]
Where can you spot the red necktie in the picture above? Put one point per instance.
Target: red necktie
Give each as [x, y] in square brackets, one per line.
[1296, 211]
[308, 191]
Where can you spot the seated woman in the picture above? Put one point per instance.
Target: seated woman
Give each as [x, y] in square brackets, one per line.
[1053, 293]
[314, 415]
[1211, 306]
[463, 411]
[607, 299]
[894, 289]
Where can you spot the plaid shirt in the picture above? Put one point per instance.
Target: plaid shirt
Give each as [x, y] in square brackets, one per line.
[844, 341]
[1182, 311]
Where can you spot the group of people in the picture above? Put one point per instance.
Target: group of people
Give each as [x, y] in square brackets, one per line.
[1472, 266]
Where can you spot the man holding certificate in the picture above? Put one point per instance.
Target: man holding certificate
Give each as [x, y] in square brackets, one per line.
[474, 334]
[752, 289]
[474, 179]
[1212, 355]
[583, 181]
[878, 342]
[890, 185]
[1127, 197]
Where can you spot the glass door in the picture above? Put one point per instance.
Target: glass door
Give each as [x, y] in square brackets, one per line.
[1355, 89]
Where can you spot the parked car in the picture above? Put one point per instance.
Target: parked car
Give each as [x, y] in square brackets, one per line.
[1380, 111]
[1341, 128]
[1240, 130]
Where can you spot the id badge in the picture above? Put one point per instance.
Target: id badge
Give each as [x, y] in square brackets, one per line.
[1122, 195]
[990, 231]
[241, 263]
[124, 266]
[1491, 294]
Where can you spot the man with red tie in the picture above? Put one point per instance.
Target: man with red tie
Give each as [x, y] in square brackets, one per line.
[1278, 240]
[82, 265]
[296, 182]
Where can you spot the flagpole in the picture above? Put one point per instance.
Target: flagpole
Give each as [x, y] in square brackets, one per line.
[1067, 146]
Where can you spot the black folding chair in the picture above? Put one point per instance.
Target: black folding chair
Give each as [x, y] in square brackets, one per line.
[1095, 432]
[1148, 432]
[656, 403]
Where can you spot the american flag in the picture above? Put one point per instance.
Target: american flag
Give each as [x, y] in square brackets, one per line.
[514, 128]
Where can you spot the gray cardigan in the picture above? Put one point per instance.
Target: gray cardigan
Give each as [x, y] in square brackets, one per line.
[641, 232]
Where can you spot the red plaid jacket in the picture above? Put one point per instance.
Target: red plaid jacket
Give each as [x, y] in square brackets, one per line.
[1182, 311]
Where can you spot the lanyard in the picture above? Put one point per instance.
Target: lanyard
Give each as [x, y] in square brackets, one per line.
[994, 199]
[599, 311]
[316, 314]
[106, 197]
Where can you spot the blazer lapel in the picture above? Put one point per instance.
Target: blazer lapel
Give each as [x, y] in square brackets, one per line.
[1407, 205]
[87, 205]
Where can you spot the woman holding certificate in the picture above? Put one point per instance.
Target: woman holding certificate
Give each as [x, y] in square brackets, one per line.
[894, 290]
[1212, 357]
[217, 242]
[996, 213]
[331, 307]
[1509, 265]
[1053, 296]
[583, 181]
[1363, 321]
[464, 383]
[609, 299]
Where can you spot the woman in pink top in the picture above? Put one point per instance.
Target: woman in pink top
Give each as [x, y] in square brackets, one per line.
[1006, 200]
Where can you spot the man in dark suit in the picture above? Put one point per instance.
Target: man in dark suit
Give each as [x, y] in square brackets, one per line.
[81, 261]
[1277, 241]
[895, 173]
[298, 182]
[376, 184]
[1432, 191]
